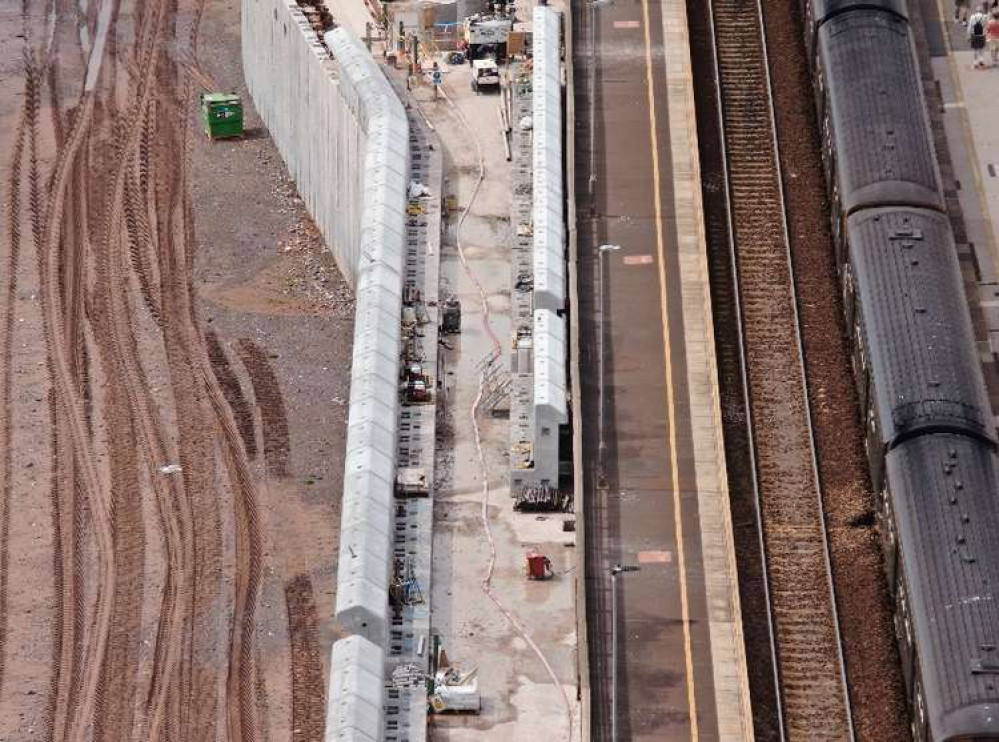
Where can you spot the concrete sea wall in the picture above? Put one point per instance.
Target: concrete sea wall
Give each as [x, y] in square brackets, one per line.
[317, 122]
[344, 136]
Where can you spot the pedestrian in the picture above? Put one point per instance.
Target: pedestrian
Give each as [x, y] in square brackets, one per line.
[961, 12]
[976, 37]
[992, 34]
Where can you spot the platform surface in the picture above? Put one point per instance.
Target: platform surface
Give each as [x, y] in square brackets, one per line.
[652, 441]
[969, 110]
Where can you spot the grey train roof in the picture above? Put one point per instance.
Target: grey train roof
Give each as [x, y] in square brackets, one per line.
[880, 127]
[945, 499]
[823, 9]
[923, 361]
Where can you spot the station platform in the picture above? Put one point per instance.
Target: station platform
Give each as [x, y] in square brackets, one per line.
[964, 108]
[666, 650]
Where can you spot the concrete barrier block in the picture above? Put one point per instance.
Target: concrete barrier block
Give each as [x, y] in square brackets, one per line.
[355, 651]
[376, 513]
[365, 551]
[381, 464]
[550, 380]
[374, 408]
[362, 606]
[354, 705]
[361, 486]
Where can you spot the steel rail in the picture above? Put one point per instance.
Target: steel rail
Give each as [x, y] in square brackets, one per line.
[758, 494]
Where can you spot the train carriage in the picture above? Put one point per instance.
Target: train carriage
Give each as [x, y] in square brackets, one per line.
[941, 522]
[915, 363]
[931, 439]
[879, 150]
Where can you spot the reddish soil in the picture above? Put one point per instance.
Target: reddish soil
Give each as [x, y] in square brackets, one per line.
[174, 362]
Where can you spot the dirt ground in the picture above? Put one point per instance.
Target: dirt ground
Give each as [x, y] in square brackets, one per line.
[174, 367]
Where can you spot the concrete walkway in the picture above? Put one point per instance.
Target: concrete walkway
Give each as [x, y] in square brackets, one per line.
[971, 117]
[519, 701]
[970, 111]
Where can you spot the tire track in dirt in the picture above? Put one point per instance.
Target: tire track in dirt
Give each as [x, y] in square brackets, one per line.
[114, 711]
[6, 385]
[233, 392]
[137, 230]
[70, 407]
[176, 519]
[188, 356]
[198, 441]
[69, 535]
[240, 685]
[198, 438]
[68, 618]
[267, 391]
[176, 261]
[308, 701]
[193, 703]
[52, 80]
[245, 722]
[136, 447]
[68, 625]
[67, 682]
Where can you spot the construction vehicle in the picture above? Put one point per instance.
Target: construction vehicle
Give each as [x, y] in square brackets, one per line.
[487, 36]
[451, 316]
[485, 74]
[416, 385]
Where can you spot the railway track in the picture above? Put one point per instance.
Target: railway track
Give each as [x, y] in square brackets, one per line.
[812, 699]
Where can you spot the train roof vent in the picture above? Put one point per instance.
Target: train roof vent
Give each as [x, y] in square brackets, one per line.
[987, 666]
[905, 233]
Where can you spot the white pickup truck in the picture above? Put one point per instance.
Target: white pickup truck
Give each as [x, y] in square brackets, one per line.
[485, 73]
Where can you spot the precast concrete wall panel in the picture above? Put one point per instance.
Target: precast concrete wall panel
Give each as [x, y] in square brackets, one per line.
[378, 515]
[548, 214]
[368, 552]
[344, 136]
[297, 88]
[359, 602]
[550, 397]
[380, 432]
[354, 706]
[548, 220]
[549, 270]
